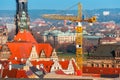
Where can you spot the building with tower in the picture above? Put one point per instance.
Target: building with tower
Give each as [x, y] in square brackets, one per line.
[3, 35]
[22, 15]
[24, 52]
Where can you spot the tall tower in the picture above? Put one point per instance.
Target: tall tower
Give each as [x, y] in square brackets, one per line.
[22, 20]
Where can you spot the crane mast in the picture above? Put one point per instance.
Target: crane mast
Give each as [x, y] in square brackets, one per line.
[79, 31]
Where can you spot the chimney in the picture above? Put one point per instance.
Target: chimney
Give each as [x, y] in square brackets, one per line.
[10, 65]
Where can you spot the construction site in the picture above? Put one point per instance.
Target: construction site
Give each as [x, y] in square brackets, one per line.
[24, 57]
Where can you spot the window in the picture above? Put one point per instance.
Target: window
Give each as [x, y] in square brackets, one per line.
[102, 65]
[92, 65]
[113, 66]
[107, 65]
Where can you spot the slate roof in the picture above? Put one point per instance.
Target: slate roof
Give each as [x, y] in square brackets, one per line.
[107, 50]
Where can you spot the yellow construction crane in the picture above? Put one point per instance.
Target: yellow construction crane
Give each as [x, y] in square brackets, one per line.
[79, 30]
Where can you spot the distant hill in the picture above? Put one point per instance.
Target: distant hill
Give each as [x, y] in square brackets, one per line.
[113, 16]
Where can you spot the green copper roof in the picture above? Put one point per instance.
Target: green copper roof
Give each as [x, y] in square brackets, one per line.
[23, 21]
[69, 33]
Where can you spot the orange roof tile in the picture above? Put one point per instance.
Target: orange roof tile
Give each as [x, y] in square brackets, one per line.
[59, 72]
[64, 64]
[47, 64]
[21, 74]
[14, 61]
[46, 47]
[25, 36]
[23, 49]
[9, 73]
[20, 50]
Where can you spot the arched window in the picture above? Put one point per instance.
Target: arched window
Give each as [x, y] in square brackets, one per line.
[102, 65]
[92, 65]
[107, 65]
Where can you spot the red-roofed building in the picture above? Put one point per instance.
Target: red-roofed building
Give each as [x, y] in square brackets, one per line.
[9, 73]
[25, 36]
[21, 74]
[68, 67]
[24, 46]
[3, 35]
[108, 40]
[45, 64]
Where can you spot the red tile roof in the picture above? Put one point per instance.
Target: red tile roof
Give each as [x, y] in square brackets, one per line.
[47, 48]
[20, 49]
[108, 39]
[25, 36]
[47, 64]
[21, 74]
[22, 46]
[64, 64]
[9, 73]
[23, 49]
[14, 61]
[14, 73]
[59, 72]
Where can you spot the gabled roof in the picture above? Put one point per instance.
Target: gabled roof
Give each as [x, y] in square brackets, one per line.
[106, 50]
[20, 50]
[64, 64]
[47, 64]
[25, 36]
[47, 48]
[23, 49]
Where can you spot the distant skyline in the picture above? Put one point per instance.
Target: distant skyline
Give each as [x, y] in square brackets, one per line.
[61, 4]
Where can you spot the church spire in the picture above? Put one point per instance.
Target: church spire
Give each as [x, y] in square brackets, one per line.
[21, 19]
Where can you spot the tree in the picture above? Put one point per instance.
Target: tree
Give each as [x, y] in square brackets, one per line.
[71, 48]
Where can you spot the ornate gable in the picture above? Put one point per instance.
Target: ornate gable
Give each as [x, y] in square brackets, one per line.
[42, 55]
[54, 55]
[5, 52]
[56, 66]
[33, 54]
[70, 66]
